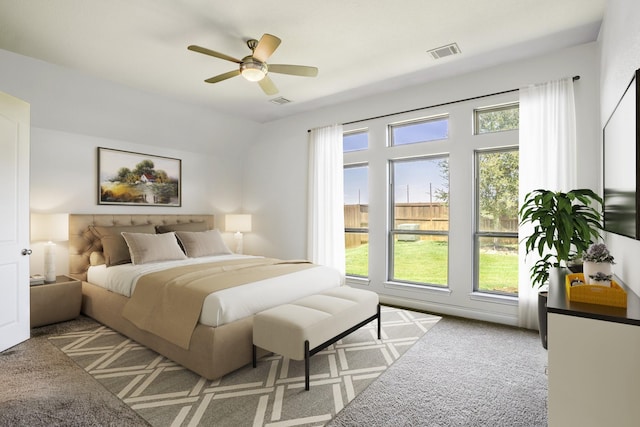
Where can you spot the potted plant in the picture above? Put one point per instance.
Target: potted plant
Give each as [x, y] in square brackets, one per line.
[601, 279]
[574, 263]
[564, 224]
[596, 259]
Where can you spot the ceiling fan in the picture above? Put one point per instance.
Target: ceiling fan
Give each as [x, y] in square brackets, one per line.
[254, 67]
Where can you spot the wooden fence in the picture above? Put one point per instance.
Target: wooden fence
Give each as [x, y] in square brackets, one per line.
[411, 216]
[420, 216]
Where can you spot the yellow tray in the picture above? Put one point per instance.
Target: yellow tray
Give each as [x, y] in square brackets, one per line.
[595, 294]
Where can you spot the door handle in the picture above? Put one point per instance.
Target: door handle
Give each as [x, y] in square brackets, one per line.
[27, 252]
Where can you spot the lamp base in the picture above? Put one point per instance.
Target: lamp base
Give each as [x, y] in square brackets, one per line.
[238, 237]
[49, 262]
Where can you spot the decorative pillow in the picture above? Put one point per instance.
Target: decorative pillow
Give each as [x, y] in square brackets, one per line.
[184, 226]
[146, 248]
[114, 247]
[203, 243]
[96, 258]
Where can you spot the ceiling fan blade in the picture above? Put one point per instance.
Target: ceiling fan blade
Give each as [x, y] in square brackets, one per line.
[213, 53]
[224, 76]
[266, 46]
[296, 70]
[268, 86]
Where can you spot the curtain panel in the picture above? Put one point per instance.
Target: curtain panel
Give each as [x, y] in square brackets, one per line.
[326, 198]
[547, 142]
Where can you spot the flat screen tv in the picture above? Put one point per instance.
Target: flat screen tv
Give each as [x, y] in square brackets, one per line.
[620, 164]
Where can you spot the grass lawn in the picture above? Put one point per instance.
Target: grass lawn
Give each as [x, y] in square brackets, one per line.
[425, 261]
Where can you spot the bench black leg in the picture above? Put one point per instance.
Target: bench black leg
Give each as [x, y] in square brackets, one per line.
[255, 363]
[307, 356]
[379, 324]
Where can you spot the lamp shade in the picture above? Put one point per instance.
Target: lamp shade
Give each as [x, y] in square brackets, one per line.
[49, 227]
[237, 222]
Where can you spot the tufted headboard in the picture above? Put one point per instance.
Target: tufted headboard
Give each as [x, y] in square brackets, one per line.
[82, 242]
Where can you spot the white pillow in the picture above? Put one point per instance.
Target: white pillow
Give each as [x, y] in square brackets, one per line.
[146, 248]
[202, 243]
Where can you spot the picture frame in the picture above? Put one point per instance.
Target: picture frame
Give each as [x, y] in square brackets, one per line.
[137, 179]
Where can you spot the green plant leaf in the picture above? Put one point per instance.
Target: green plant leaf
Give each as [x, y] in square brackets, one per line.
[563, 224]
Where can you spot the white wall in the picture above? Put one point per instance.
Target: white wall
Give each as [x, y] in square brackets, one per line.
[64, 176]
[63, 180]
[71, 101]
[620, 57]
[72, 114]
[276, 170]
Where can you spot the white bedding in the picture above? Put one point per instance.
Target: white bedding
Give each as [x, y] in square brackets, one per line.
[230, 304]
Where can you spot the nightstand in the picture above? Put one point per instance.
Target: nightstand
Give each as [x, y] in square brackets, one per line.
[55, 302]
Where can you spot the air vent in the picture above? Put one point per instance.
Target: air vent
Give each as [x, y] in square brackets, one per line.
[444, 51]
[280, 100]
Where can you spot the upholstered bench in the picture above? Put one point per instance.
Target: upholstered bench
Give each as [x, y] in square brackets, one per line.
[300, 329]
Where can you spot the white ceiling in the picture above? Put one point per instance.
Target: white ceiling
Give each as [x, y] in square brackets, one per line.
[359, 46]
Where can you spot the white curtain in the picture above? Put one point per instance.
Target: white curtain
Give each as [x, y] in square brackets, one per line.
[547, 161]
[326, 198]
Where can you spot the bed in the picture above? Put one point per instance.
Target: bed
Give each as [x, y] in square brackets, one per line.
[220, 342]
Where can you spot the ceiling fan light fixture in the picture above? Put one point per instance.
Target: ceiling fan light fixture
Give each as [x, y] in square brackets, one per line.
[252, 69]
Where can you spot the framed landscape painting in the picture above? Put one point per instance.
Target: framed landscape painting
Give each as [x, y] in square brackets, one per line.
[127, 178]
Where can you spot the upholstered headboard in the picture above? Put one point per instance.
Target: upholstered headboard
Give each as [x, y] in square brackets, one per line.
[82, 241]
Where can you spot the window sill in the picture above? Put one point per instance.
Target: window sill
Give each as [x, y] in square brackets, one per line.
[420, 288]
[498, 299]
[358, 281]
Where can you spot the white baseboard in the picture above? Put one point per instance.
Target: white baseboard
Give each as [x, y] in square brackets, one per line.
[444, 309]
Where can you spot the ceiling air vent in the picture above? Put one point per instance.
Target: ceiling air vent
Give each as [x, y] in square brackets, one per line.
[280, 100]
[444, 51]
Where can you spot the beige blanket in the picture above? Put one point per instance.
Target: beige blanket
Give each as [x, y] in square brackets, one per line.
[168, 303]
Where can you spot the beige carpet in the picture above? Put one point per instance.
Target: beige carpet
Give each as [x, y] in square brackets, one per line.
[42, 387]
[463, 373]
[165, 394]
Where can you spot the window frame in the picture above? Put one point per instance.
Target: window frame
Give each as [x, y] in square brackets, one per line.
[495, 107]
[477, 233]
[354, 132]
[420, 120]
[358, 230]
[393, 231]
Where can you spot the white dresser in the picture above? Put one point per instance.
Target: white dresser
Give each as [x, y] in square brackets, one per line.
[594, 362]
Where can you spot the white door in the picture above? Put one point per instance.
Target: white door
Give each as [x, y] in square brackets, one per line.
[14, 221]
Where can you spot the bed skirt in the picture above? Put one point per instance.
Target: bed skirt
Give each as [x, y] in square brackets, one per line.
[213, 352]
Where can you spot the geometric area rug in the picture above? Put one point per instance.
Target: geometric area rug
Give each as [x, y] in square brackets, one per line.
[166, 394]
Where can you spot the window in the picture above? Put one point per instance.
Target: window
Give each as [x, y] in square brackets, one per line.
[496, 237]
[356, 220]
[496, 118]
[420, 227]
[429, 205]
[355, 141]
[431, 129]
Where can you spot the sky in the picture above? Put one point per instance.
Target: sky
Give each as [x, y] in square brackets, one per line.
[415, 180]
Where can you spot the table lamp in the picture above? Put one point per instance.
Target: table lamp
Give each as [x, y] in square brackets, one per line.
[238, 223]
[49, 228]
